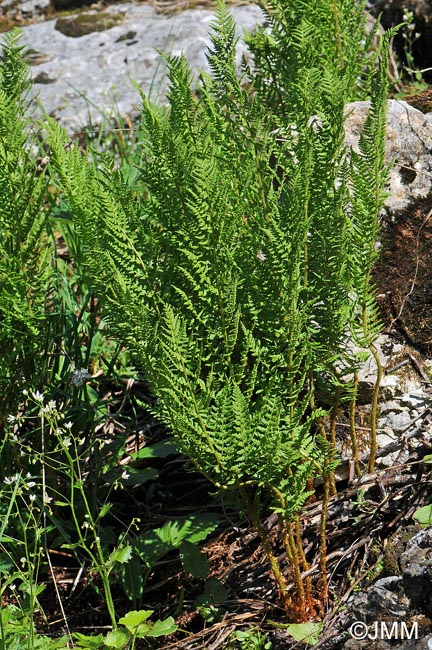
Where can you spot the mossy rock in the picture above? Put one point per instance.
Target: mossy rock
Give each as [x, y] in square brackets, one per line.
[6, 24]
[396, 546]
[87, 23]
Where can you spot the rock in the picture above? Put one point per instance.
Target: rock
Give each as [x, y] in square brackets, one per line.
[396, 598]
[384, 600]
[87, 23]
[91, 74]
[409, 134]
[395, 547]
[416, 565]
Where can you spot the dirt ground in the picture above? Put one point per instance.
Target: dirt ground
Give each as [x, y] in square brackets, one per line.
[403, 276]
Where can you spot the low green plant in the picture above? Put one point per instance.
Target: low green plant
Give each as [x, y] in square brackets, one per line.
[148, 548]
[25, 248]
[21, 561]
[252, 639]
[410, 36]
[210, 603]
[134, 625]
[17, 632]
[237, 275]
[308, 632]
[55, 504]
[52, 337]
[423, 515]
[60, 465]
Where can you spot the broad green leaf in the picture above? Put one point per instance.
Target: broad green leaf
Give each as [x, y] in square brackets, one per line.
[6, 563]
[131, 476]
[132, 577]
[305, 632]
[160, 449]
[424, 515]
[32, 589]
[45, 643]
[88, 642]
[121, 554]
[193, 559]
[135, 618]
[214, 594]
[150, 548]
[194, 528]
[161, 628]
[117, 639]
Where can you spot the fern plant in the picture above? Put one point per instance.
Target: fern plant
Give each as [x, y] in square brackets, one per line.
[24, 245]
[369, 175]
[229, 277]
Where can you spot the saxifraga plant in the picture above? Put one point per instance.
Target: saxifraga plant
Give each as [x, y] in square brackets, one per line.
[230, 278]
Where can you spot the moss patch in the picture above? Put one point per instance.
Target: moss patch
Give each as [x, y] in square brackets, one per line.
[6, 24]
[87, 23]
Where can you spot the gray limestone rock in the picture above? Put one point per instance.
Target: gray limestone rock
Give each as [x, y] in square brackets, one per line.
[416, 565]
[383, 600]
[409, 137]
[91, 75]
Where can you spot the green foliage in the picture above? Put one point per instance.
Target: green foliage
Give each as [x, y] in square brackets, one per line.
[25, 274]
[150, 547]
[423, 515]
[135, 625]
[52, 337]
[251, 639]
[221, 314]
[305, 43]
[232, 262]
[369, 175]
[17, 633]
[210, 602]
[308, 632]
[235, 277]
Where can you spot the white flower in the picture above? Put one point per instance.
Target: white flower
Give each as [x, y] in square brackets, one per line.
[46, 499]
[68, 425]
[66, 442]
[31, 484]
[125, 475]
[32, 497]
[11, 479]
[11, 418]
[39, 397]
[50, 407]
